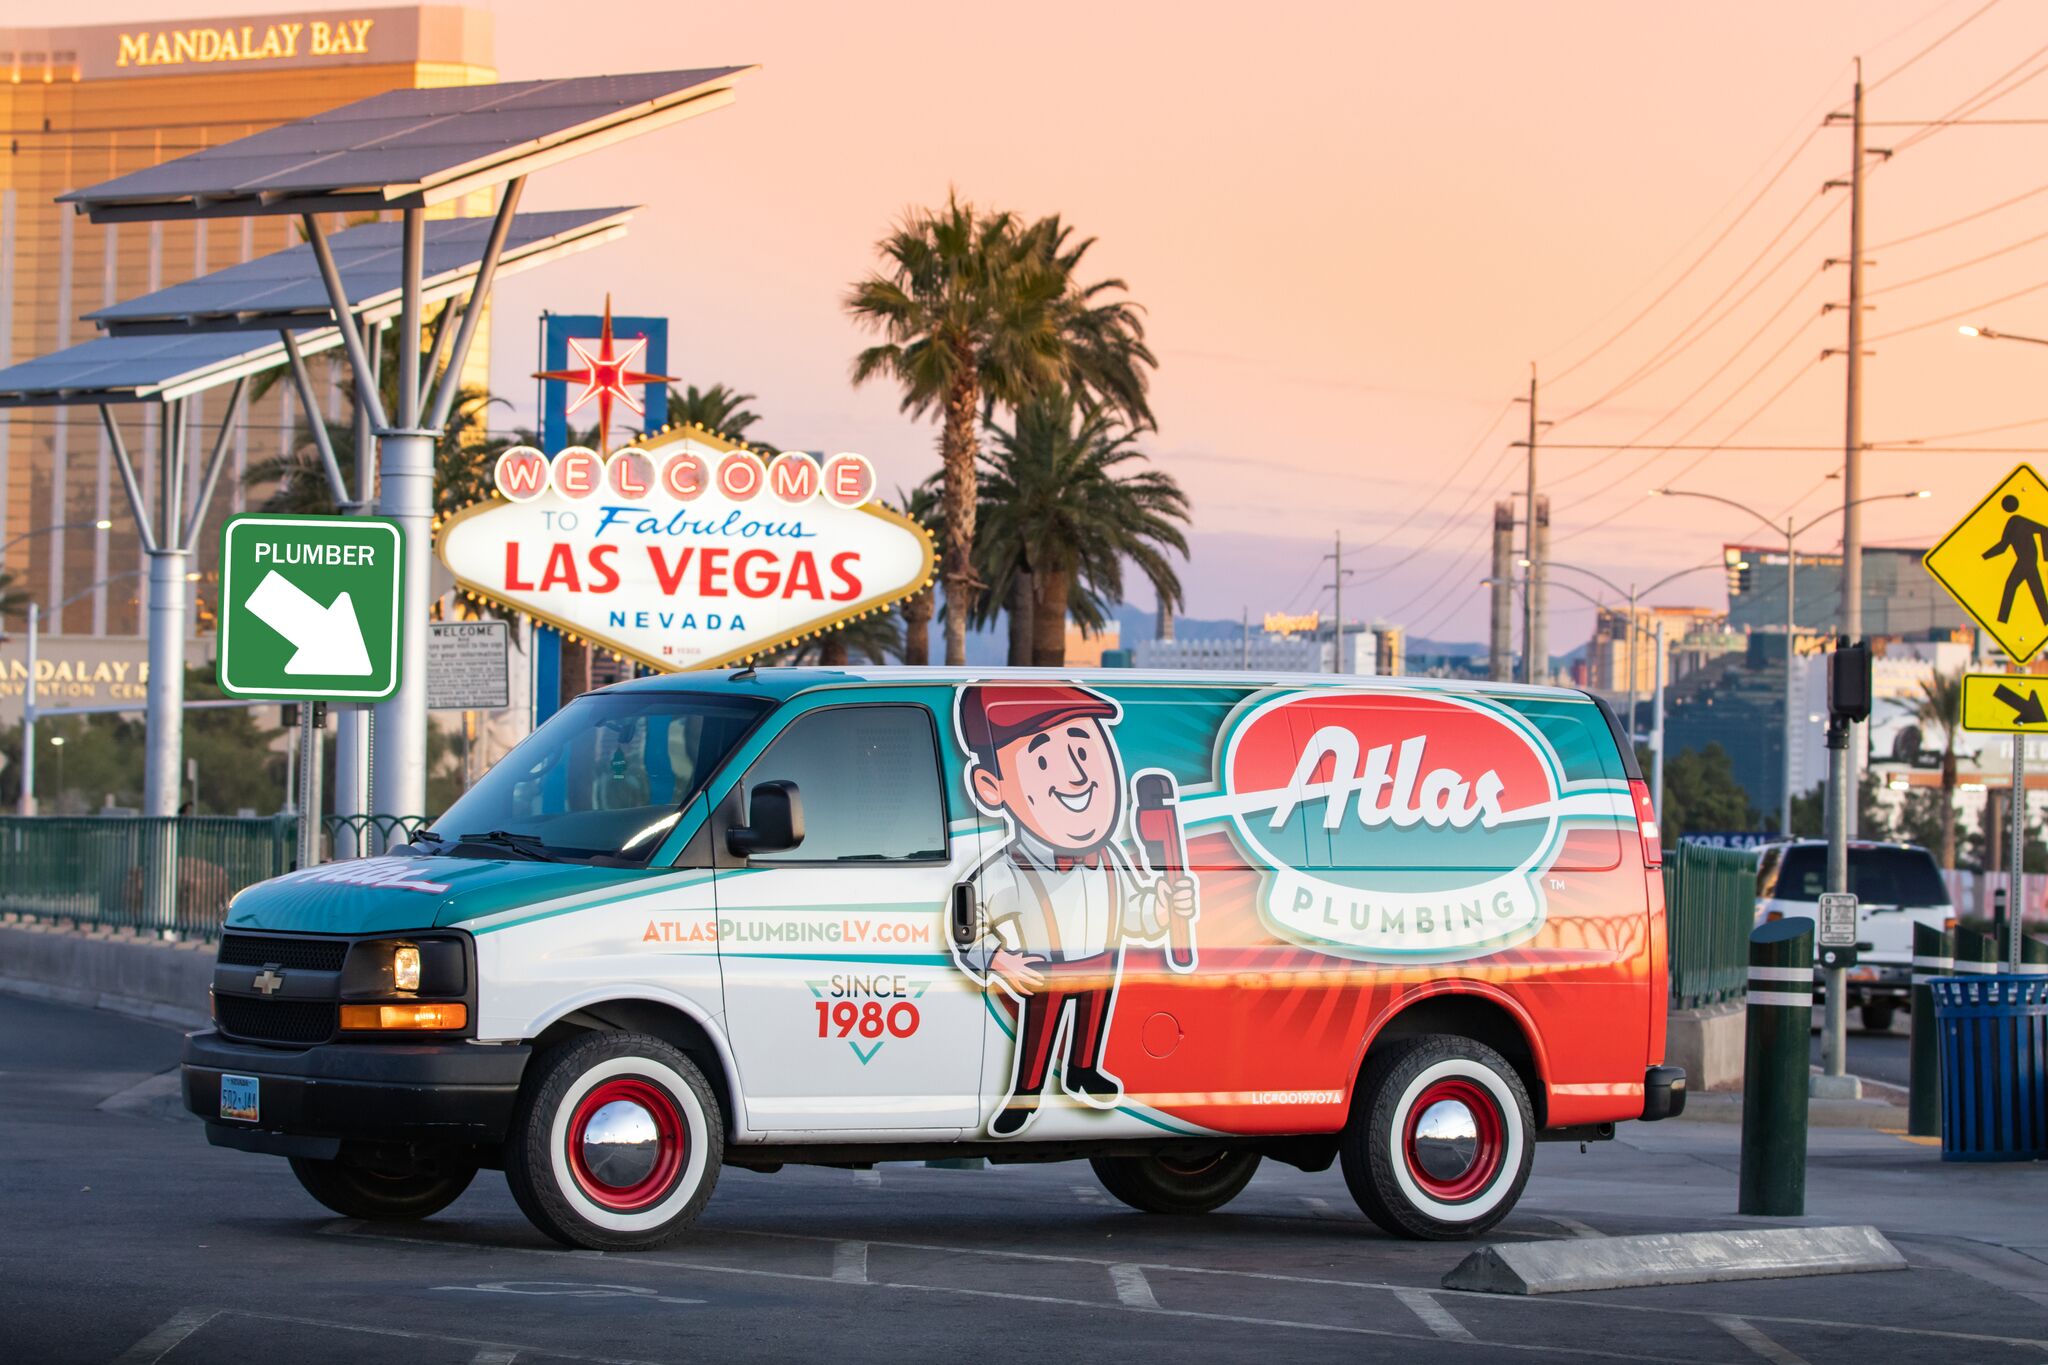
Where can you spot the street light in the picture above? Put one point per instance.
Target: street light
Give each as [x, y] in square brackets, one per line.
[1792, 534]
[101, 525]
[27, 804]
[1635, 595]
[1990, 335]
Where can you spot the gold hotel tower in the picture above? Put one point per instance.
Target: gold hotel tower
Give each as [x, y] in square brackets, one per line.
[82, 105]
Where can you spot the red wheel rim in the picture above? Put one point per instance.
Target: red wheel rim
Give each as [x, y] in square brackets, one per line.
[1490, 1129]
[672, 1143]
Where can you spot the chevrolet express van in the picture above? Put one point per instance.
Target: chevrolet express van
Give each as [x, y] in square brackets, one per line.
[1172, 924]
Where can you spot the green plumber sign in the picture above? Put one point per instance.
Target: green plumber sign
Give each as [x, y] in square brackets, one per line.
[309, 607]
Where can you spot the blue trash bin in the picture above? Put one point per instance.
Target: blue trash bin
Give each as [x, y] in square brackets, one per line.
[1994, 1067]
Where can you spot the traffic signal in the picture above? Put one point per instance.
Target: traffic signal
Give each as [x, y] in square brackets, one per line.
[1849, 680]
[1738, 568]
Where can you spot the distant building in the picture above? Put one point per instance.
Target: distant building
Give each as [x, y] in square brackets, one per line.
[1265, 653]
[1607, 653]
[1085, 650]
[1899, 596]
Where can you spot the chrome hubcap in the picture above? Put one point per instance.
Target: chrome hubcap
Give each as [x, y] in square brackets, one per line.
[621, 1143]
[1446, 1140]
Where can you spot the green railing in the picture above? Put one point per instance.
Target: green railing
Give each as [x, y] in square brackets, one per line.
[97, 869]
[1710, 907]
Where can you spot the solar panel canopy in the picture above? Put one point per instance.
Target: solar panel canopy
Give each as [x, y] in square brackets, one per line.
[408, 148]
[143, 369]
[284, 289]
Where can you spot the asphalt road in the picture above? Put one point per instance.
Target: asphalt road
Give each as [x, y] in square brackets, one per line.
[131, 1241]
[1884, 1056]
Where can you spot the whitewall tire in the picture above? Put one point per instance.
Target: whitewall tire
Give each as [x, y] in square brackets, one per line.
[1441, 1138]
[616, 1143]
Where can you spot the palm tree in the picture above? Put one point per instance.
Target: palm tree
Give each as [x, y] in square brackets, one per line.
[1105, 334]
[14, 599]
[1060, 495]
[921, 505]
[719, 408]
[1939, 707]
[970, 315]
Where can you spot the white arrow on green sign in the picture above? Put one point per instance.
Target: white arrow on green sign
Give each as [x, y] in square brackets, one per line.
[310, 607]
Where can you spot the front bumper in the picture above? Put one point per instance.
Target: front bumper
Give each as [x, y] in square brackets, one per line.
[313, 1099]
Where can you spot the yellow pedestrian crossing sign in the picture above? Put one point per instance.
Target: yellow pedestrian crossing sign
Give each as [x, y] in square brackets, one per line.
[1992, 563]
[2012, 703]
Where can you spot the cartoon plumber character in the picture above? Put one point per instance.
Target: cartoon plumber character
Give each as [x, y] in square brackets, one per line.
[1064, 899]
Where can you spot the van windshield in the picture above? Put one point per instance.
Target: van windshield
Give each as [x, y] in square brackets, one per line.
[606, 777]
[1905, 877]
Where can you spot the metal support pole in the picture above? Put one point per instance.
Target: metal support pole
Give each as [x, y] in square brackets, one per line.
[1834, 1081]
[1634, 627]
[1774, 1100]
[1530, 632]
[311, 733]
[1933, 956]
[1657, 728]
[1791, 708]
[163, 759]
[2016, 897]
[1337, 605]
[28, 717]
[406, 496]
[1852, 444]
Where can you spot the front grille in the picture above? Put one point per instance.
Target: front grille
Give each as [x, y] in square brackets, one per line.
[293, 954]
[276, 1021]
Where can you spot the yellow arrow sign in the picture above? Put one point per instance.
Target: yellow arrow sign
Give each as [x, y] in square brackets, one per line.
[2013, 703]
[1993, 560]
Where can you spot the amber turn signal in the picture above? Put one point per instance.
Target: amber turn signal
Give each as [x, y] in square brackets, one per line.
[433, 1017]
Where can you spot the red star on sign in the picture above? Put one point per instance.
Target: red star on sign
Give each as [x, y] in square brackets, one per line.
[605, 376]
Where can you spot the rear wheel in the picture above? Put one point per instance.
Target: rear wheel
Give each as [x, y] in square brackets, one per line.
[1877, 1018]
[358, 1192]
[1440, 1140]
[616, 1143]
[1176, 1184]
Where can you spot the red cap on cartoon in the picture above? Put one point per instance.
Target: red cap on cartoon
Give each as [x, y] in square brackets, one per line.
[992, 716]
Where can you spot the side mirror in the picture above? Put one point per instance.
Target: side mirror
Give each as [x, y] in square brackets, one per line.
[775, 812]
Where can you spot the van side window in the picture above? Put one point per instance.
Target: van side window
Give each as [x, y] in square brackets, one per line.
[868, 777]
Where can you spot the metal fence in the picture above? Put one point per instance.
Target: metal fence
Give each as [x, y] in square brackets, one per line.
[94, 869]
[1710, 907]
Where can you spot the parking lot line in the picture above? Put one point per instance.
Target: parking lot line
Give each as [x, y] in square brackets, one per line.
[1434, 1315]
[492, 1355]
[1749, 1336]
[1133, 1290]
[160, 1342]
[511, 1349]
[1573, 1301]
[1009, 1296]
[850, 1263]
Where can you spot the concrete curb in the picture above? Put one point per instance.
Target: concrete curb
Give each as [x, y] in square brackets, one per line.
[1672, 1258]
[147, 978]
[1884, 1112]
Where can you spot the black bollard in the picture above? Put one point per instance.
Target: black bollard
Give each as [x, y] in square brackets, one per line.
[1933, 956]
[1774, 1085]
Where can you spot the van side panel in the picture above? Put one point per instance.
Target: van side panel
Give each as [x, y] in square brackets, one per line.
[1354, 848]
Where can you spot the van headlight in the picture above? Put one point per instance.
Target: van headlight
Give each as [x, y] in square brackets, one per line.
[405, 967]
[429, 966]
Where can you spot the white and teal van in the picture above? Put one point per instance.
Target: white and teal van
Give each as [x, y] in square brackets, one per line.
[1173, 924]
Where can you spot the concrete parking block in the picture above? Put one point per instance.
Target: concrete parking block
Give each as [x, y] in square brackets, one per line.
[1673, 1258]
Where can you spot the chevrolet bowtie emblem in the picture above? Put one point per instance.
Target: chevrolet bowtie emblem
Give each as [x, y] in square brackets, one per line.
[268, 980]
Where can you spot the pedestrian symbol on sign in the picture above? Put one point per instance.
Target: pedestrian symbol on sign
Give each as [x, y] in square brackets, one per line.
[2023, 538]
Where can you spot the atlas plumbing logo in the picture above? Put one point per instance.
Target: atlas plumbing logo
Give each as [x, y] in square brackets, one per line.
[1398, 826]
[633, 475]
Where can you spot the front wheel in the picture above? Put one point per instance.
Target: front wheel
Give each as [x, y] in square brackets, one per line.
[1176, 1184]
[1877, 1018]
[1440, 1140]
[616, 1143]
[358, 1192]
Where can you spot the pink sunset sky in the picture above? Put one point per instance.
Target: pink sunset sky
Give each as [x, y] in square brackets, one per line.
[1354, 227]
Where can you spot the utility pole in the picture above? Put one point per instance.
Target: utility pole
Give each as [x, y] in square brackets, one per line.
[1530, 631]
[1539, 592]
[1247, 637]
[1500, 650]
[1337, 607]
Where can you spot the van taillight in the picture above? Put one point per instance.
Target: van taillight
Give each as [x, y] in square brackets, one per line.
[1646, 824]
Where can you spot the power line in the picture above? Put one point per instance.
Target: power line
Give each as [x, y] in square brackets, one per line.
[1959, 222]
[1423, 506]
[1951, 317]
[1974, 431]
[1986, 95]
[1907, 65]
[1487, 487]
[1959, 265]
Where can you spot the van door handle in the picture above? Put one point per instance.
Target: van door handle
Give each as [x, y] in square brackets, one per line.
[963, 914]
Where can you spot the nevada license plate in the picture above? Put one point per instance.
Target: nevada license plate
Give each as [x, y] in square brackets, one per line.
[238, 1098]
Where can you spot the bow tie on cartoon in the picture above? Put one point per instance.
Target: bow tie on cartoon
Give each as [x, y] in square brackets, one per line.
[1065, 862]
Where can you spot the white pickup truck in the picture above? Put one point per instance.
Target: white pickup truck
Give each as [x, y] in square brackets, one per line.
[1896, 887]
